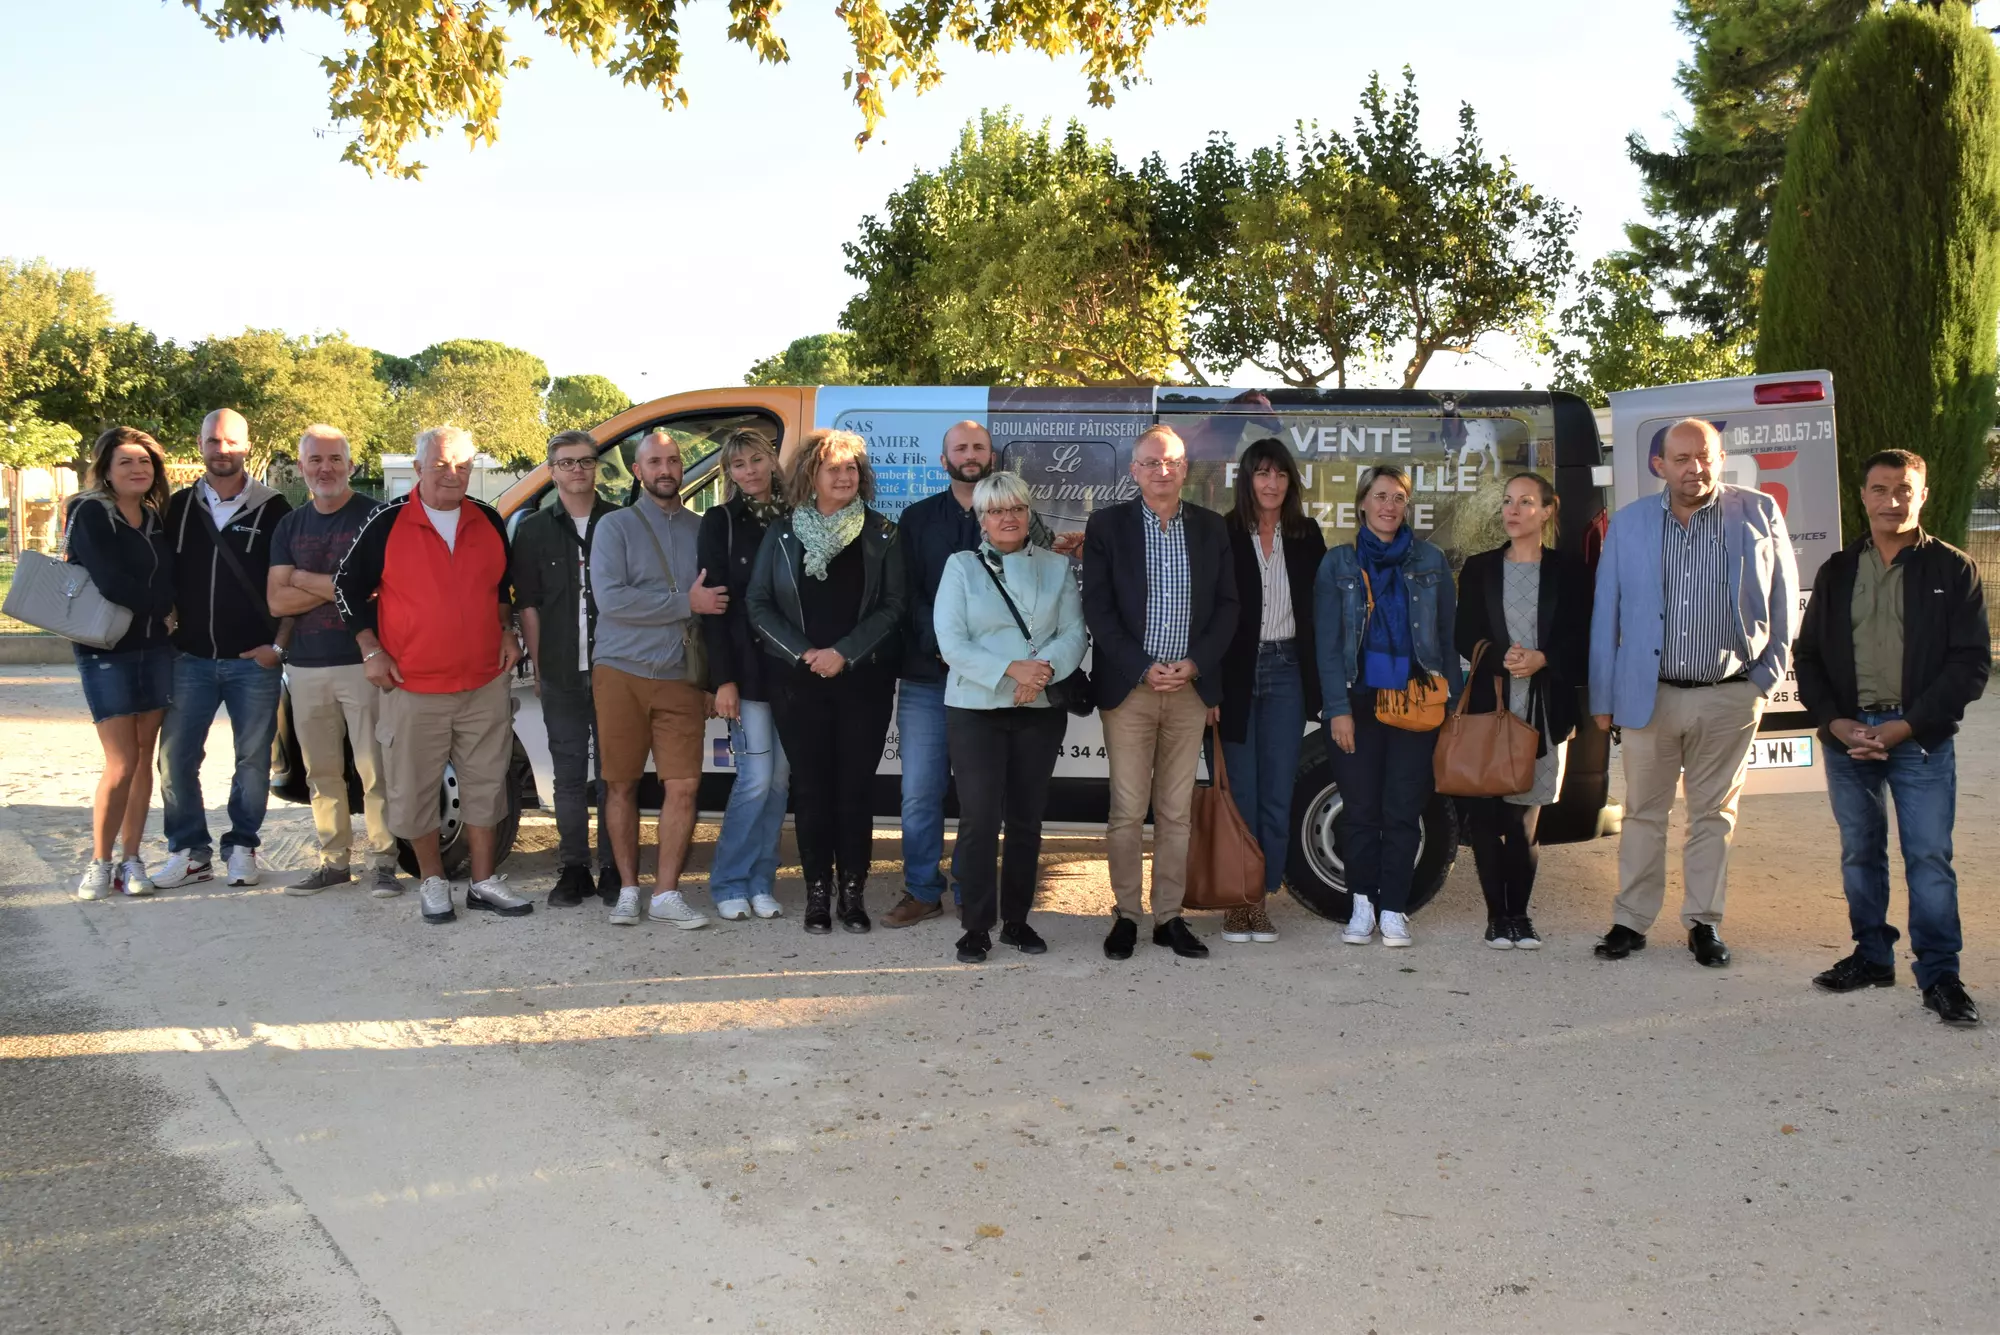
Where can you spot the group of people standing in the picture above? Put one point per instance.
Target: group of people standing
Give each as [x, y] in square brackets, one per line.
[808, 620]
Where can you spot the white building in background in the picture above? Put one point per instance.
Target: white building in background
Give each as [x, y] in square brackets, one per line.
[489, 479]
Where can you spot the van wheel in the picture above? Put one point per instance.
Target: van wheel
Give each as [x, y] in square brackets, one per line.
[1315, 871]
[454, 850]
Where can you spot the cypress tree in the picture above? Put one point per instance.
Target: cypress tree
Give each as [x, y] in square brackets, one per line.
[1885, 249]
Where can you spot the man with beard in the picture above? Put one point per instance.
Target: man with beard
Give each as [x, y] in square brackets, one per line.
[931, 532]
[333, 704]
[647, 581]
[221, 529]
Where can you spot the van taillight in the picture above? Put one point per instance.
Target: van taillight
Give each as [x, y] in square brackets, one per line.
[1791, 391]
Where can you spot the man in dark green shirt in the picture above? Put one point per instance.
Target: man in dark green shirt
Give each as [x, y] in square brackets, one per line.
[551, 573]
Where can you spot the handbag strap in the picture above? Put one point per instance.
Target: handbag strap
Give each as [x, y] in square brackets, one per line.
[229, 557]
[1218, 771]
[661, 552]
[1478, 652]
[1008, 599]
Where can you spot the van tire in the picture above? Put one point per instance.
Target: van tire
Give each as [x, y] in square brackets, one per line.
[1313, 870]
[454, 849]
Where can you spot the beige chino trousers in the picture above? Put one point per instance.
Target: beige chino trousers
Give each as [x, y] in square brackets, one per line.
[331, 705]
[1701, 738]
[1153, 744]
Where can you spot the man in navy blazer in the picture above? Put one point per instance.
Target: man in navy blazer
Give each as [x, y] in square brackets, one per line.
[1696, 603]
[1159, 597]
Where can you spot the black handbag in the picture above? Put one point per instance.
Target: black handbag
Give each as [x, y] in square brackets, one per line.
[1072, 693]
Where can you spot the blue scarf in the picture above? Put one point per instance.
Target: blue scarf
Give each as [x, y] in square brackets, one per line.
[1385, 640]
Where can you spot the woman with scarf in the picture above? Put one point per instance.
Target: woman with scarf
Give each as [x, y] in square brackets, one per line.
[1009, 621]
[743, 878]
[1384, 611]
[826, 597]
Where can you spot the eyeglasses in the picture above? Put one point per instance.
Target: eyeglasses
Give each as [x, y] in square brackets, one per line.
[1158, 465]
[586, 465]
[1005, 511]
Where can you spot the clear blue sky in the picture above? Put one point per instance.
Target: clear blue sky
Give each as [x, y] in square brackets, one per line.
[670, 249]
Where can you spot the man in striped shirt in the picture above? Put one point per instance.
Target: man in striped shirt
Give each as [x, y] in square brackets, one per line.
[1693, 626]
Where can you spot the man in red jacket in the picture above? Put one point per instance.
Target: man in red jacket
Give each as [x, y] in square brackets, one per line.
[424, 588]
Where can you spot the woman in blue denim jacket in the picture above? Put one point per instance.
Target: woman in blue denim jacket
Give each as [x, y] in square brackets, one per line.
[1384, 606]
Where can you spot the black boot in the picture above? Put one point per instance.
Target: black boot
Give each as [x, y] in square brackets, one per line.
[853, 913]
[819, 906]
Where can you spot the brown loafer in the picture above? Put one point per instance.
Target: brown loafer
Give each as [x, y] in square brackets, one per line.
[910, 911]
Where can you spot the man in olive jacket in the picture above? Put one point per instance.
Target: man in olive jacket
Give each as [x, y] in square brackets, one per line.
[1894, 646]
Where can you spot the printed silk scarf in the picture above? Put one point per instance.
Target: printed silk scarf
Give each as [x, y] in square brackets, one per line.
[1385, 641]
[827, 536]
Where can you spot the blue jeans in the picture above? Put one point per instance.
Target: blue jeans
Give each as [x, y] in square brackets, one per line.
[1925, 787]
[250, 694]
[1263, 766]
[926, 756]
[746, 852]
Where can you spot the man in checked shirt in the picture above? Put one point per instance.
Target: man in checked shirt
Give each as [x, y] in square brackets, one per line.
[1696, 602]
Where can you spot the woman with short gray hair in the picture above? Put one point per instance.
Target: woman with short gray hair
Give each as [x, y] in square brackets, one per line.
[1009, 622]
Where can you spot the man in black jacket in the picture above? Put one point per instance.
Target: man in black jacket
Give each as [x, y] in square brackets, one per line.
[1894, 646]
[1159, 596]
[221, 531]
[550, 564]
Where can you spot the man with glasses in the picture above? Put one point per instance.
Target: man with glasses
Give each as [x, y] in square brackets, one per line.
[551, 570]
[1159, 597]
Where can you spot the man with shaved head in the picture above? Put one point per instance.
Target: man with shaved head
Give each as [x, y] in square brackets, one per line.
[1692, 629]
[221, 528]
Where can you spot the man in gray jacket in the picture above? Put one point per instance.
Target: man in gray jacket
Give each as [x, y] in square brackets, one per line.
[646, 578]
[1692, 629]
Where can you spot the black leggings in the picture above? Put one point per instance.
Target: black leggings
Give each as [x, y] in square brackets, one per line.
[1003, 759]
[1503, 848]
[832, 730]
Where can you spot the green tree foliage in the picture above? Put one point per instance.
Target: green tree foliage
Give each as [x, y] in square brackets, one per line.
[491, 398]
[1026, 259]
[815, 359]
[1711, 192]
[283, 384]
[1614, 337]
[410, 69]
[26, 441]
[1885, 249]
[583, 402]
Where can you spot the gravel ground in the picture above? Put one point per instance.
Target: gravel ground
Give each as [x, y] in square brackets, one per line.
[242, 1110]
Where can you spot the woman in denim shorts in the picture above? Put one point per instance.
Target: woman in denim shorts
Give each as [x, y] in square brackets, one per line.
[115, 534]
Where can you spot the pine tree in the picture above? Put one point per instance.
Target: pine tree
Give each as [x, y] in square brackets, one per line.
[1885, 249]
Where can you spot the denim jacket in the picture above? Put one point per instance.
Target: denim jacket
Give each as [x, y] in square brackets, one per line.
[1340, 609]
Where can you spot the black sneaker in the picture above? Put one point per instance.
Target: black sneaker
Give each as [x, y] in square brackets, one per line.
[1023, 938]
[1521, 931]
[972, 947]
[1947, 997]
[1497, 936]
[572, 884]
[1855, 973]
[607, 883]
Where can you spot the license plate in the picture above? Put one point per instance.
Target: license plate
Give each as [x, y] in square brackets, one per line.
[1781, 753]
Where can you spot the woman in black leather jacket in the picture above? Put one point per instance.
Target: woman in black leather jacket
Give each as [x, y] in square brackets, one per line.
[825, 600]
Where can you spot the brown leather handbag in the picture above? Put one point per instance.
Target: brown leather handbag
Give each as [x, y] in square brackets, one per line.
[1225, 866]
[1484, 755]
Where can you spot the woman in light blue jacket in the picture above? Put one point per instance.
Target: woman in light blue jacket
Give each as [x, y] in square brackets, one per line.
[1003, 732]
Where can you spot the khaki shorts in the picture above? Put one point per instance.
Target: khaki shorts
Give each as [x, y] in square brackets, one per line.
[635, 713]
[472, 730]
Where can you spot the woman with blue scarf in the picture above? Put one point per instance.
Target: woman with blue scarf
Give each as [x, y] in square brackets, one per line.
[1384, 607]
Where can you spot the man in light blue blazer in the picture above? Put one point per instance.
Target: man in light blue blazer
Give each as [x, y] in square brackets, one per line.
[1696, 604]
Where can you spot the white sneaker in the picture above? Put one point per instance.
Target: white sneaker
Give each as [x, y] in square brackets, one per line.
[732, 910]
[1395, 929]
[242, 865]
[1361, 926]
[626, 914]
[185, 867]
[434, 900]
[668, 906]
[132, 879]
[96, 882]
[493, 896]
[766, 907]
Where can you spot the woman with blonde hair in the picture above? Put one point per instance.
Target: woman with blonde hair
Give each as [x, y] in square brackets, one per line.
[116, 533]
[825, 599]
[743, 877]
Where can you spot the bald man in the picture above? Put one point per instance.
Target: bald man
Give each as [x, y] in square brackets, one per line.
[1692, 629]
[221, 528]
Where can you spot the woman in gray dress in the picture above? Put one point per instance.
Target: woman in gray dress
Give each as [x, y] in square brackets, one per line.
[1532, 605]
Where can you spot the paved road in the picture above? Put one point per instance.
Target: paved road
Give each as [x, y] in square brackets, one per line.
[237, 1109]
